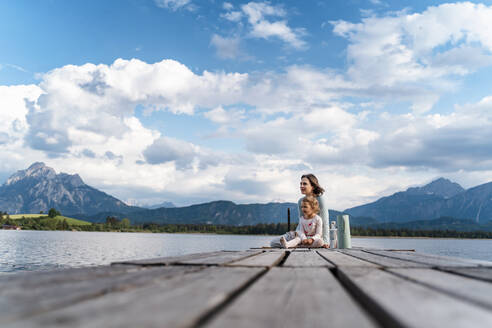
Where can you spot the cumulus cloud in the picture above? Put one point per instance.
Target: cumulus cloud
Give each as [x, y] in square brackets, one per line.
[327, 135]
[96, 102]
[376, 2]
[175, 4]
[88, 153]
[222, 116]
[167, 149]
[286, 122]
[13, 107]
[249, 186]
[4, 138]
[266, 22]
[456, 141]
[227, 5]
[226, 48]
[418, 54]
[233, 16]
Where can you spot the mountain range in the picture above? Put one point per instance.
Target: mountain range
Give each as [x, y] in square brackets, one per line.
[39, 188]
[437, 199]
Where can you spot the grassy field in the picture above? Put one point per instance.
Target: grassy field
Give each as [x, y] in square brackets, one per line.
[19, 216]
[45, 217]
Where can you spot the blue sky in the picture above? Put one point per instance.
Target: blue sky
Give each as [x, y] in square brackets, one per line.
[191, 101]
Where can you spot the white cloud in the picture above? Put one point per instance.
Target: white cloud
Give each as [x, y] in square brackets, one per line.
[233, 16]
[227, 6]
[227, 48]
[167, 149]
[174, 4]
[267, 22]
[13, 110]
[418, 53]
[263, 28]
[222, 116]
[16, 67]
[287, 123]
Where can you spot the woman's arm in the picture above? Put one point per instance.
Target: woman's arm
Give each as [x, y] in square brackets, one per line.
[325, 217]
[319, 228]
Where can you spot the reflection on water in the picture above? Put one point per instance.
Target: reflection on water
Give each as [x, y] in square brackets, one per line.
[478, 249]
[45, 250]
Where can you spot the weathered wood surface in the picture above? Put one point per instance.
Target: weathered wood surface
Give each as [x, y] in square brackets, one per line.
[212, 258]
[169, 260]
[476, 291]
[477, 273]
[306, 259]
[267, 259]
[294, 297]
[339, 259]
[177, 302]
[257, 288]
[429, 259]
[400, 302]
[27, 297]
[381, 260]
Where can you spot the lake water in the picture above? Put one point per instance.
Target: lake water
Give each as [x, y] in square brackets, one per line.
[45, 250]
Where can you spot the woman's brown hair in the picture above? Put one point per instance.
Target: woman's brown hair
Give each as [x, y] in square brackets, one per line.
[317, 189]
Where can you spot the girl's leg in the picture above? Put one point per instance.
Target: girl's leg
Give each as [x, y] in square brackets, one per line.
[317, 243]
[276, 243]
[293, 242]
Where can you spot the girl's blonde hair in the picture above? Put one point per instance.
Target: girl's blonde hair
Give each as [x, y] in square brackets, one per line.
[313, 202]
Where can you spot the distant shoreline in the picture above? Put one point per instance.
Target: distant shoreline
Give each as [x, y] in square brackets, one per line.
[243, 234]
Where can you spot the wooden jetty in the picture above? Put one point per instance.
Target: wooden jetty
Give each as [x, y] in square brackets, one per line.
[257, 288]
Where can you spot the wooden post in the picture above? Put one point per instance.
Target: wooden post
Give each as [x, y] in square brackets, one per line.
[288, 219]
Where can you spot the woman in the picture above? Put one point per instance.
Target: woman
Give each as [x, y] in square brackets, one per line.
[310, 187]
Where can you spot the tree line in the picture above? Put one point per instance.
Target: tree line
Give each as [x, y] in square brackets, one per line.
[124, 225]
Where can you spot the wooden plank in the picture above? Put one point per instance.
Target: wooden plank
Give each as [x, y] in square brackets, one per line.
[178, 302]
[400, 302]
[430, 259]
[222, 258]
[475, 291]
[475, 272]
[267, 259]
[381, 260]
[168, 260]
[211, 258]
[303, 259]
[340, 259]
[34, 279]
[16, 299]
[293, 297]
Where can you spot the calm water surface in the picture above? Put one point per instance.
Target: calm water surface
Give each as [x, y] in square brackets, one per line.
[45, 250]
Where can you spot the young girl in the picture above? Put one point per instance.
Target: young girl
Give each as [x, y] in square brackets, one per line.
[310, 186]
[310, 227]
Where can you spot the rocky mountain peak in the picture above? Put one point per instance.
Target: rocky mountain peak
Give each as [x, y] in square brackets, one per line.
[75, 180]
[440, 187]
[38, 188]
[36, 170]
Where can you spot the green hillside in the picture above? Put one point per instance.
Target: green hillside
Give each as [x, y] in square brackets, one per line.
[45, 218]
[20, 216]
